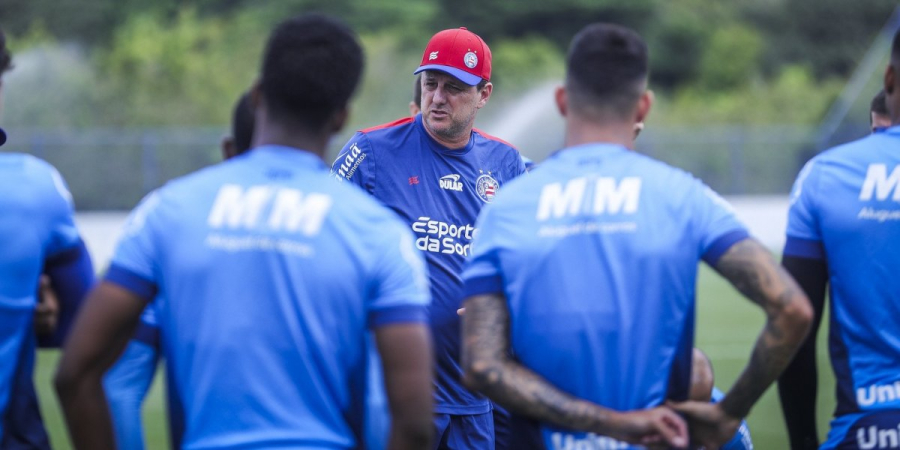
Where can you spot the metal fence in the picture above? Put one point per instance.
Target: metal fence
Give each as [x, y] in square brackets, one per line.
[111, 169]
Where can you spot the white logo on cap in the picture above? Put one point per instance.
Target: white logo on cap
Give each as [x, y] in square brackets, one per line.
[433, 55]
[471, 60]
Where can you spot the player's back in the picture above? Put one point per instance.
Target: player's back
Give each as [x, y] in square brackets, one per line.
[599, 248]
[36, 223]
[848, 201]
[265, 283]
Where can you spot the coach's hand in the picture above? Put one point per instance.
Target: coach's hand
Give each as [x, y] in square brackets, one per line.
[658, 427]
[710, 426]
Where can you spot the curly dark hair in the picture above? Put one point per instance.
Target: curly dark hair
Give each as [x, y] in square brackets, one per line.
[311, 68]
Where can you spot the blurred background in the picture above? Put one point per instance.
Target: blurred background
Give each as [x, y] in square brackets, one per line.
[123, 95]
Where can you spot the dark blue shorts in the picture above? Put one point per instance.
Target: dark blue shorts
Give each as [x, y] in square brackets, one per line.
[464, 432]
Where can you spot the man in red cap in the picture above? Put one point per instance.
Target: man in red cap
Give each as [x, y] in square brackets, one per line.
[437, 171]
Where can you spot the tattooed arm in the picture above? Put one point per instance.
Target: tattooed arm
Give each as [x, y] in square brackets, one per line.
[489, 368]
[752, 270]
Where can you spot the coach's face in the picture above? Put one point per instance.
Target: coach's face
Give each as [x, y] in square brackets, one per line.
[449, 107]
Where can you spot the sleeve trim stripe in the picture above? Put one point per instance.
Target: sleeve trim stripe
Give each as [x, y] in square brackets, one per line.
[804, 248]
[722, 244]
[67, 256]
[148, 334]
[489, 284]
[131, 281]
[398, 314]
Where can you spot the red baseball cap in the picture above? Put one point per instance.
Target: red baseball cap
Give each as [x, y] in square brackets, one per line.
[458, 52]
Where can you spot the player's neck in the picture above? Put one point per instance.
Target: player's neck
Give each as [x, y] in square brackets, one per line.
[579, 131]
[277, 134]
[455, 143]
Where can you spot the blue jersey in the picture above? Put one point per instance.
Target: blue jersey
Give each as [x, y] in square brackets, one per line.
[597, 253]
[267, 286]
[36, 225]
[438, 192]
[845, 210]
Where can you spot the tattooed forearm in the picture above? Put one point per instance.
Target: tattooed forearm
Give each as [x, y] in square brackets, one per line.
[753, 271]
[488, 368]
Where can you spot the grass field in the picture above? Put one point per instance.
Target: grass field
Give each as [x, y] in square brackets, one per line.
[727, 327]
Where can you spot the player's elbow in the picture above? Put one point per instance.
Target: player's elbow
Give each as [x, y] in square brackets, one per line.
[65, 383]
[797, 316]
[480, 374]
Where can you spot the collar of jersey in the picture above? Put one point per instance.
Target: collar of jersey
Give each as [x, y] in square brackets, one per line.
[591, 148]
[893, 129]
[296, 156]
[437, 146]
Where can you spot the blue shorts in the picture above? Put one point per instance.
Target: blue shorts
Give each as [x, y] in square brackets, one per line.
[464, 432]
[868, 430]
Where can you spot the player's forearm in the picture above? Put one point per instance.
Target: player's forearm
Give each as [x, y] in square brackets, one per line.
[526, 393]
[489, 369]
[86, 411]
[776, 345]
[789, 315]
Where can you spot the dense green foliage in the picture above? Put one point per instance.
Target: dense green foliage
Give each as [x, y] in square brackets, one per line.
[182, 62]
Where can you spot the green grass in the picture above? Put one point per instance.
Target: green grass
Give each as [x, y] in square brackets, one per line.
[727, 326]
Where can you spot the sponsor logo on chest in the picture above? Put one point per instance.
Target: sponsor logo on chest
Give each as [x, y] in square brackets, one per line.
[451, 183]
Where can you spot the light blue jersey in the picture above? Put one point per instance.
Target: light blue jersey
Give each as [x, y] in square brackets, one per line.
[597, 254]
[845, 210]
[269, 275]
[36, 225]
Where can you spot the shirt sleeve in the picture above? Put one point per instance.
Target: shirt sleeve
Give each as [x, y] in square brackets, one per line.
[400, 290]
[134, 264]
[482, 273]
[63, 233]
[804, 238]
[717, 226]
[355, 163]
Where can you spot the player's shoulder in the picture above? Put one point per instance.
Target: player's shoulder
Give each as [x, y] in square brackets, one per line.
[373, 139]
[27, 165]
[388, 127]
[494, 140]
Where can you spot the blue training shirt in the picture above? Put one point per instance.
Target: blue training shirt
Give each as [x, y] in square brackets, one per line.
[845, 210]
[596, 252]
[269, 275]
[36, 226]
[438, 193]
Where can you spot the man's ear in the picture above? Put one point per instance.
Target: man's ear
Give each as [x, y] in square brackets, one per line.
[255, 95]
[644, 105]
[228, 148]
[485, 94]
[339, 119]
[562, 100]
[889, 79]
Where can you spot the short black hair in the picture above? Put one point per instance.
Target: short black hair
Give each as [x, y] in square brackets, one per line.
[606, 70]
[417, 91]
[311, 67]
[5, 56]
[879, 104]
[242, 122]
